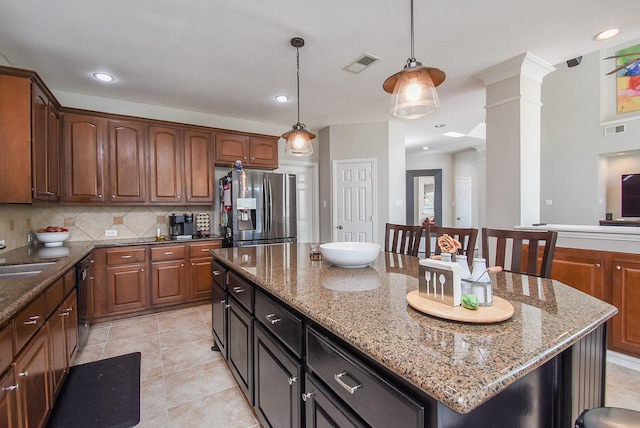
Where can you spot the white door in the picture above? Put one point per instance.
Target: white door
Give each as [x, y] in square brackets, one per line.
[353, 201]
[306, 198]
[463, 202]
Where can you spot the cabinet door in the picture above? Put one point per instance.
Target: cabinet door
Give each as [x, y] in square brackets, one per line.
[277, 380]
[168, 282]
[9, 417]
[220, 317]
[165, 165]
[32, 366]
[57, 352]
[264, 152]
[200, 278]
[581, 269]
[53, 153]
[198, 166]
[626, 297]
[240, 347]
[127, 174]
[70, 309]
[83, 158]
[40, 149]
[230, 148]
[126, 288]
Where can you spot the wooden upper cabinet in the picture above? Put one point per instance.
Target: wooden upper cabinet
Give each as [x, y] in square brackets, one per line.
[254, 152]
[198, 166]
[84, 178]
[127, 153]
[263, 152]
[46, 147]
[165, 165]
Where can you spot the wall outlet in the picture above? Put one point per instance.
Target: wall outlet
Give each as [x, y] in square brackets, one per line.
[111, 232]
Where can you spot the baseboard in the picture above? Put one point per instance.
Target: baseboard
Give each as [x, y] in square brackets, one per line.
[623, 360]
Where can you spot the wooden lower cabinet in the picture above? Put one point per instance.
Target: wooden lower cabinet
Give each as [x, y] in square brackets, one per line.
[220, 318]
[626, 297]
[32, 367]
[323, 410]
[9, 416]
[168, 282]
[582, 269]
[277, 382]
[63, 340]
[200, 269]
[240, 347]
[126, 288]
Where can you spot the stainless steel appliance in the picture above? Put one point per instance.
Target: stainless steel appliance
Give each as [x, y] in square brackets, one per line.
[257, 207]
[181, 226]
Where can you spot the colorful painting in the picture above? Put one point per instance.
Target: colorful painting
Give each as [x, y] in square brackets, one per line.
[628, 80]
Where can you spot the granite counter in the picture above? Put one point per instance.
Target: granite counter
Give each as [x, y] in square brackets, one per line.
[461, 365]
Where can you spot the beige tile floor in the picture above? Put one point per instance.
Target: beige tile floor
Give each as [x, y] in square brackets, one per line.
[185, 384]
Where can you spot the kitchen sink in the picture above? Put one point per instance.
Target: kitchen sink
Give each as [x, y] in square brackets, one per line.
[23, 271]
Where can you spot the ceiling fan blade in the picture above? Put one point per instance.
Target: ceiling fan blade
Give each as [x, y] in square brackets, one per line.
[623, 66]
[621, 55]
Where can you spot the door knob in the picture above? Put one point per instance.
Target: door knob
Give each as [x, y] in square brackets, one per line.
[340, 227]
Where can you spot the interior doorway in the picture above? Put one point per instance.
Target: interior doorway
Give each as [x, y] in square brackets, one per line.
[424, 195]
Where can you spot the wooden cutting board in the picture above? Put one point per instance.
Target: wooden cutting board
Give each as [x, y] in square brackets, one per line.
[500, 310]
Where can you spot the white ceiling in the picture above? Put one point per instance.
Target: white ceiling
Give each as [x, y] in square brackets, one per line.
[231, 58]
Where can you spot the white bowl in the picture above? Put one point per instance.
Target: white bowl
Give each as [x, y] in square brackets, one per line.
[52, 239]
[350, 254]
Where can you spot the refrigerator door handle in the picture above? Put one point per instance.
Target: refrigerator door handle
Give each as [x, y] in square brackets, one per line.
[266, 188]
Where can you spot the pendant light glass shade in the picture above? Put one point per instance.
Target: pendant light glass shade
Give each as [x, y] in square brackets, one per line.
[413, 89]
[298, 139]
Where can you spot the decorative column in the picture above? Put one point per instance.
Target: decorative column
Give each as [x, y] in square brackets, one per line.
[513, 140]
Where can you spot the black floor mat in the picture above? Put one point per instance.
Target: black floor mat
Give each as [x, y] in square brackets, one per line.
[101, 394]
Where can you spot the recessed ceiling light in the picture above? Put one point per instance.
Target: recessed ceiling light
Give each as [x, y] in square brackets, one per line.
[607, 34]
[104, 77]
[453, 134]
[425, 147]
[282, 98]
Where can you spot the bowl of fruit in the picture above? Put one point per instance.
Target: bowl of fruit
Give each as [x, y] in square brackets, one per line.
[52, 236]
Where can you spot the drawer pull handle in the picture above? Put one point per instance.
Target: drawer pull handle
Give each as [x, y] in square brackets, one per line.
[34, 317]
[204, 250]
[126, 257]
[307, 395]
[64, 314]
[23, 374]
[350, 389]
[32, 322]
[238, 289]
[10, 388]
[168, 253]
[292, 380]
[223, 302]
[273, 320]
[216, 273]
[618, 267]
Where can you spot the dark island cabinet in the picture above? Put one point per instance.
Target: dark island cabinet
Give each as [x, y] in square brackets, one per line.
[322, 409]
[240, 347]
[277, 382]
[220, 318]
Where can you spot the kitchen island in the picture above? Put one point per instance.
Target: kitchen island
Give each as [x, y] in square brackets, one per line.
[541, 367]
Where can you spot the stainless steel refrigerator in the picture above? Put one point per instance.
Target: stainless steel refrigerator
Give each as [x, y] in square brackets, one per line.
[257, 207]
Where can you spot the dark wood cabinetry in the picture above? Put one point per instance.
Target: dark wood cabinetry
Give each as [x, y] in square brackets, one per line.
[32, 367]
[240, 347]
[127, 161]
[169, 280]
[83, 153]
[626, 297]
[200, 270]
[252, 151]
[324, 410]
[30, 134]
[278, 382]
[198, 166]
[220, 318]
[582, 269]
[9, 416]
[165, 165]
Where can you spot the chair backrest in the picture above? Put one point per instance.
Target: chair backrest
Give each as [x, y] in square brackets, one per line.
[466, 236]
[402, 239]
[512, 242]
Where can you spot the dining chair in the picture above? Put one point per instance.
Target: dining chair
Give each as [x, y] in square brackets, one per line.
[522, 248]
[402, 239]
[466, 236]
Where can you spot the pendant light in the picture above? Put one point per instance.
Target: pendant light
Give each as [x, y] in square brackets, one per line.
[298, 139]
[413, 89]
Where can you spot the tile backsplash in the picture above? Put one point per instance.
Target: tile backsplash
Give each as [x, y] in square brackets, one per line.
[88, 223]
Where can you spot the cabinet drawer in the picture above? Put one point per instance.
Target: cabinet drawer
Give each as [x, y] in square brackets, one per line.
[125, 255]
[370, 396]
[69, 279]
[28, 321]
[54, 296]
[241, 290]
[282, 323]
[219, 274]
[168, 252]
[202, 249]
[6, 347]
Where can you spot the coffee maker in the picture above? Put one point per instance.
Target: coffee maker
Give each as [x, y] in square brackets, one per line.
[181, 226]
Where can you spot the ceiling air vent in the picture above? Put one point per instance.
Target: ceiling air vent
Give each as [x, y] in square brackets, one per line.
[361, 63]
[616, 129]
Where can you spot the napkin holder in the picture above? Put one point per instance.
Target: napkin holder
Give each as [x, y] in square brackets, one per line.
[440, 281]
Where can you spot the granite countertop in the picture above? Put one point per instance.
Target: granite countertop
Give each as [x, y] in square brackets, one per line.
[459, 364]
[16, 293]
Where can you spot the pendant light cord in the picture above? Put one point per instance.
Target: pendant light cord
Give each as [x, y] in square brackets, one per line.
[298, 79]
[412, 30]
